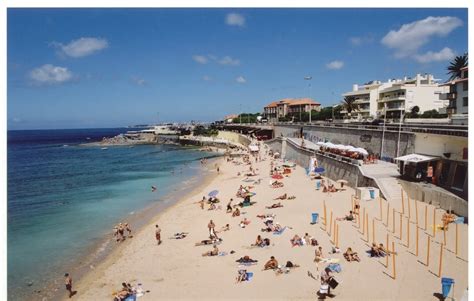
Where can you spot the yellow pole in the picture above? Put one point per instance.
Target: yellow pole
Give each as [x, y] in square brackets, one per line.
[330, 224]
[363, 222]
[434, 221]
[417, 231]
[388, 211]
[416, 212]
[388, 249]
[403, 202]
[444, 235]
[334, 233]
[373, 230]
[393, 220]
[428, 251]
[380, 202]
[367, 224]
[440, 260]
[393, 261]
[401, 226]
[325, 216]
[408, 233]
[426, 217]
[337, 236]
[409, 208]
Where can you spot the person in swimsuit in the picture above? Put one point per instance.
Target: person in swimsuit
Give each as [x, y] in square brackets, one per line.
[271, 264]
[158, 234]
[211, 227]
[68, 283]
[229, 206]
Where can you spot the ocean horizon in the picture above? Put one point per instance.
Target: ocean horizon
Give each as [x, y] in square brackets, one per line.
[64, 198]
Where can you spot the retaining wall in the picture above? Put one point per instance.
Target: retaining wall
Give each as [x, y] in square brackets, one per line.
[365, 138]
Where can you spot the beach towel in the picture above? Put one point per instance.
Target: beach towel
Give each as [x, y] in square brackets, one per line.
[335, 267]
[222, 254]
[459, 220]
[330, 260]
[279, 232]
[249, 276]
[247, 264]
[131, 298]
[314, 218]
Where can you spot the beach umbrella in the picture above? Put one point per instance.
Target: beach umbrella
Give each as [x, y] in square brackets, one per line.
[277, 177]
[213, 193]
[319, 170]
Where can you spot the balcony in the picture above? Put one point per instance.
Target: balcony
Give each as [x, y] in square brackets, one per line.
[362, 100]
[392, 98]
[452, 95]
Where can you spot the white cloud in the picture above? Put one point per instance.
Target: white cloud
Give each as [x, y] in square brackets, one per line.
[335, 65]
[444, 54]
[82, 47]
[206, 78]
[410, 37]
[227, 60]
[139, 81]
[234, 19]
[50, 75]
[201, 59]
[241, 80]
[356, 41]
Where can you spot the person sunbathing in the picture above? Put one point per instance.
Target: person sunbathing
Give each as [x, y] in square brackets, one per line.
[224, 228]
[277, 205]
[213, 252]
[236, 212]
[281, 197]
[382, 251]
[332, 188]
[244, 222]
[350, 255]
[349, 217]
[206, 242]
[277, 184]
[266, 216]
[296, 241]
[291, 197]
[374, 251]
[122, 295]
[246, 259]
[271, 264]
[179, 235]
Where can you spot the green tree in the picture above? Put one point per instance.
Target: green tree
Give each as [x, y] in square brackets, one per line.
[454, 68]
[349, 105]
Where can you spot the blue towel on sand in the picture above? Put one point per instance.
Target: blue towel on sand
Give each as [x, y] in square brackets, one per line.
[249, 276]
[335, 267]
[279, 232]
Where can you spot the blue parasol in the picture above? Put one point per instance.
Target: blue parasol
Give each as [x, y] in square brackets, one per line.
[319, 170]
[213, 193]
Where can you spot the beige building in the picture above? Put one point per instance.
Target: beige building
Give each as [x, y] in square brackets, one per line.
[290, 106]
[458, 96]
[403, 95]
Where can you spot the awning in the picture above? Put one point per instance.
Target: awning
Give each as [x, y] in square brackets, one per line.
[416, 158]
[253, 148]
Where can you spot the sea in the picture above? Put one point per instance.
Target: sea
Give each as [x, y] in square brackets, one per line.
[64, 199]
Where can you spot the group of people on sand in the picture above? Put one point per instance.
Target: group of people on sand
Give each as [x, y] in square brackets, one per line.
[119, 231]
[127, 291]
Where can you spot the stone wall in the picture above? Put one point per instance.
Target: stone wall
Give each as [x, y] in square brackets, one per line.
[234, 137]
[369, 139]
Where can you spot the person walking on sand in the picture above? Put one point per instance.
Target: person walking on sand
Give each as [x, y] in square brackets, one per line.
[211, 227]
[158, 234]
[68, 283]
[229, 206]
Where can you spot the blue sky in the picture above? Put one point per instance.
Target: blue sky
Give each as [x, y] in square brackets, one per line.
[82, 68]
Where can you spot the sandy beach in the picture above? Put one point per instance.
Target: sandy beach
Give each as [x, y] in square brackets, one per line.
[176, 270]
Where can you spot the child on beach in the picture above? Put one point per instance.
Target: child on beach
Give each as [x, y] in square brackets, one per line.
[158, 234]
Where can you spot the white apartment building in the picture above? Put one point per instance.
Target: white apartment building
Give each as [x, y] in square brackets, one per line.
[403, 95]
[366, 96]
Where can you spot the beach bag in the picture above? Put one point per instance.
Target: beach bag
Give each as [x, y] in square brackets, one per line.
[333, 283]
[324, 289]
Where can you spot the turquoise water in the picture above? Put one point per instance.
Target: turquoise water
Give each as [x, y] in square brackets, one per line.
[64, 198]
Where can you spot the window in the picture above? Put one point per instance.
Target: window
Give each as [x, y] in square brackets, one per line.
[459, 177]
[465, 86]
[464, 101]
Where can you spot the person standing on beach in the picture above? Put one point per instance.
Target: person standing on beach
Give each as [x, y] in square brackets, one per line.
[68, 283]
[211, 227]
[158, 234]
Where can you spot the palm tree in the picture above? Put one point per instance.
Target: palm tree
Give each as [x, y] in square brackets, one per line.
[349, 105]
[454, 69]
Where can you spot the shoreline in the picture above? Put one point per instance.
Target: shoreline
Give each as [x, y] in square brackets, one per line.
[149, 213]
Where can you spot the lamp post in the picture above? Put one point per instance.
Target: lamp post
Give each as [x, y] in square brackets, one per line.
[309, 78]
[383, 129]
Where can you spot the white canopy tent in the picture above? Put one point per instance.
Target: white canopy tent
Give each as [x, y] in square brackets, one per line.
[416, 158]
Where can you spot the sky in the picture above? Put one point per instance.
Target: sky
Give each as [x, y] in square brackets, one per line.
[91, 68]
